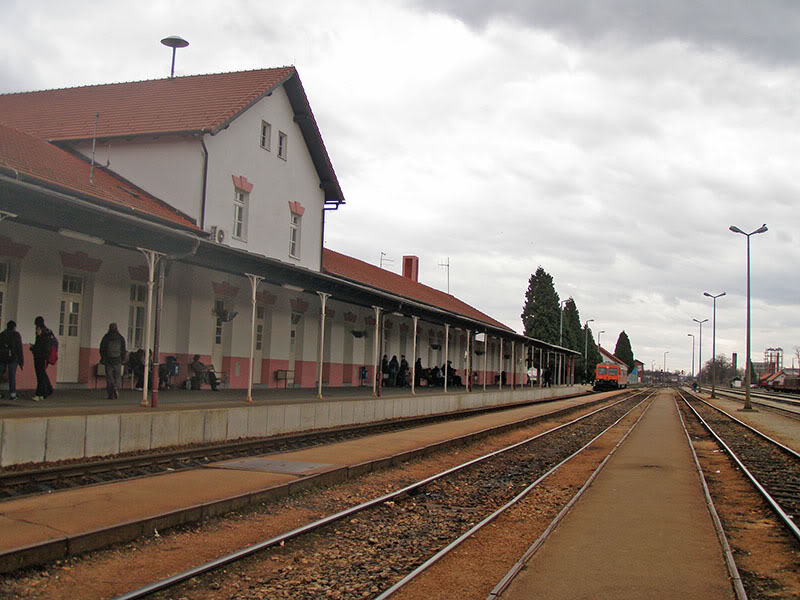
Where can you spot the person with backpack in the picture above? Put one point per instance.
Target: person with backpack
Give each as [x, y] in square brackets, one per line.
[11, 356]
[112, 355]
[42, 353]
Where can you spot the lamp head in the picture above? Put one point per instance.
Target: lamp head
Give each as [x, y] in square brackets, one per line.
[761, 229]
[735, 229]
[707, 294]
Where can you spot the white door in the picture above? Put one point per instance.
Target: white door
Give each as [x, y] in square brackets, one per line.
[217, 345]
[69, 329]
[258, 349]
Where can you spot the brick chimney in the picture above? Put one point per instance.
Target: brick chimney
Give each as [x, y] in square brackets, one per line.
[411, 267]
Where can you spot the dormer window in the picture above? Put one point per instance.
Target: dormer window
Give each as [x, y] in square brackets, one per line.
[266, 136]
[283, 145]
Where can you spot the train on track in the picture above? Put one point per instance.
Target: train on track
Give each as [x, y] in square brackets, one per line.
[610, 376]
[788, 384]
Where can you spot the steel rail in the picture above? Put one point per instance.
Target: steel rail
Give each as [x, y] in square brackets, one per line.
[506, 580]
[168, 582]
[272, 444]
[774, 396]
[786, 519]
[752, 429]
[733, 571]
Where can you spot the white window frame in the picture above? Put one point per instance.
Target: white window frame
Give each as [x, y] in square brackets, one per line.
[295, 226]
[283, 145]
[241, 202]
[266, 136]
[138, 305]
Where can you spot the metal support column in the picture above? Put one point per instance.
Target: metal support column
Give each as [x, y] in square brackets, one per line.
[323, 297]
[157, 333]
[414, 358]
[500, 378]
[254, 281]
[376, 351]
[485, 356]
[446, 353]
[513, 365]
[152, 258]
[469, 360]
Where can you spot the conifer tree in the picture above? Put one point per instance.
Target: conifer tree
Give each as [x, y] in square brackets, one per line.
[572, 337]
[623, 350]
[540, 312]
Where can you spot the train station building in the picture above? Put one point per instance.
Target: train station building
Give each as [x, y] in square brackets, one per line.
[191, 211]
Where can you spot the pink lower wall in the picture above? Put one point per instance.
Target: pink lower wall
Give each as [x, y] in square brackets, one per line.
[26, 377]
[334, 374]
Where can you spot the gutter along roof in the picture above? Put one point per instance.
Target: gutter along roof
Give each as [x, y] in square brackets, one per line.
[192, 105]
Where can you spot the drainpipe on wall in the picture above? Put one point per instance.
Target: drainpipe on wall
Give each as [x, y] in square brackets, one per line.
[205, 183]
[322, 237]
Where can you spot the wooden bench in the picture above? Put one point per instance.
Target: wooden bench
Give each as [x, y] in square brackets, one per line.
[285, 375]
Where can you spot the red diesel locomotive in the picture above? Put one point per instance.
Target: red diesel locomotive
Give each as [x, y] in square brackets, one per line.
[609, 376]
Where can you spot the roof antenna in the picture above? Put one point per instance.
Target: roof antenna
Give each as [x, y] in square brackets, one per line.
[174, 42]
[385, 259]
[446, 265]
[94, 145]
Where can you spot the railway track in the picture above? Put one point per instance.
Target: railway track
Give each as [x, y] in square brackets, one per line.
[773, 468]
[791, 403]
[371, 549]
[21, 483]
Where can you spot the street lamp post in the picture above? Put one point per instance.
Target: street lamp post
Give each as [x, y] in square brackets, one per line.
[561, 304]
[599, 333]
[691, 335]
[665, 361]
[747, 403]
[714, 343]
[585, 348]
[700, 351]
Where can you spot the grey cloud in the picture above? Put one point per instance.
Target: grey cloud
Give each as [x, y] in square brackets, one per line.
[766, 29]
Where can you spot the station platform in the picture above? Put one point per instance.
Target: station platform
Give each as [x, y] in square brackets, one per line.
[642, 530]
[42, 528]
[81, 423]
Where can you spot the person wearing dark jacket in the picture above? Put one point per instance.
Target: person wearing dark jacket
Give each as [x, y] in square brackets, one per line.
[41, 354]
[394, 369]
[112, 355]
[11, 356]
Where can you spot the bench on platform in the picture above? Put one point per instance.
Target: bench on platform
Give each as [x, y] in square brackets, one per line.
[285, 375]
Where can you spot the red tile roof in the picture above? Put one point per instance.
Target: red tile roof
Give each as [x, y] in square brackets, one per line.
[53, 167]
[353, 269]
[182, 105]
[159, 106]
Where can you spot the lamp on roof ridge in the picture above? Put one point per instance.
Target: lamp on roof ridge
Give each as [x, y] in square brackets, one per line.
[174, 42]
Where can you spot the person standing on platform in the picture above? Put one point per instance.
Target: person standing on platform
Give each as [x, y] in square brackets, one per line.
[112, 355]
[417, 371]
[41, 355]
[394, 369]
[11, 356]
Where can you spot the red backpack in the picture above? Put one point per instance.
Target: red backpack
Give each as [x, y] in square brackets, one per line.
[53, 358]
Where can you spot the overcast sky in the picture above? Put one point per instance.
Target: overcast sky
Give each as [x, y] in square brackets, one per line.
[611, 142]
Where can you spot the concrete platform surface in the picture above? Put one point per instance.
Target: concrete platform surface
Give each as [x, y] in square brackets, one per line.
[642, 530]
[72, 513]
